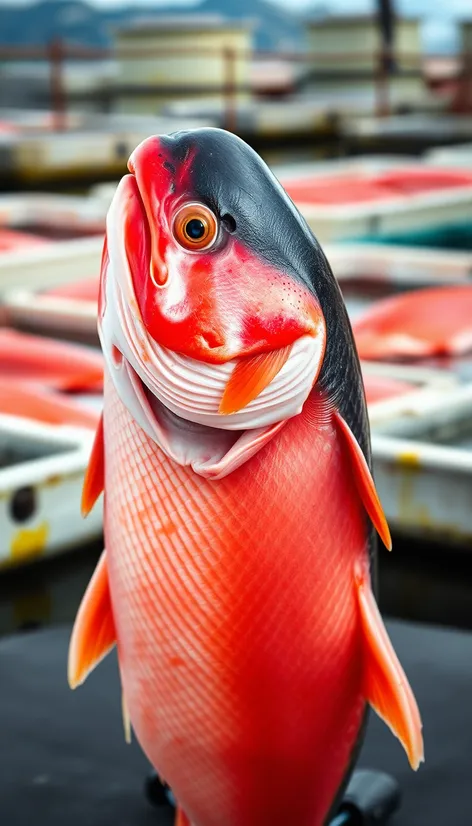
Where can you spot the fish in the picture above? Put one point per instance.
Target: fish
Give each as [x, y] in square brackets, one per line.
[84, 290]
[12, 240]
[31, 401]
[238, 578]
[47, 362]
[381, 388]
[359, 187]
[417, 324]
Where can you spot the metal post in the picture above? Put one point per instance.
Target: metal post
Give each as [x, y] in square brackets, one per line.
[468, 83]
[386, 20]
[229, 57]
[386, 61]
[58, 97]
[382, 87]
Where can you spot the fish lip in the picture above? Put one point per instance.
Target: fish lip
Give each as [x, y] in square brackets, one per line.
[214, 454]
[193, 389]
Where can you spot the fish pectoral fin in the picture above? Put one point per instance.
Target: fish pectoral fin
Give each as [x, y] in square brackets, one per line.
[364, 481]
[94, 481]
[386, 686]
[250, 377]
[93, 635]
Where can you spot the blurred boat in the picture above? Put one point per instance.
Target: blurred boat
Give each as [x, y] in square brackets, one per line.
[368, 203]
[86, 290]
[459, 155]
[394, 391]
[29, 401]
[377, 388]
[53, 216]
[450, 237]
[11, 240]
[409, 132]
[49, 363]
[41, 474]
[45, 443]
[423, 468]
[50, 265]
[68, 311]
[88, 147]
[375, 263]
[417, 324]
[360, 188]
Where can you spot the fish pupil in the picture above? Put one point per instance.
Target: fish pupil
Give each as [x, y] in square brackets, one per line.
[195, 229]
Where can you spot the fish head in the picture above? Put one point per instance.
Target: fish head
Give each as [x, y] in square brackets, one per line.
[207, 290]
[214, 286]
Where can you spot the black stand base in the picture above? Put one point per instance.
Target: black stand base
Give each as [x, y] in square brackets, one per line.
[370, 798]
[65, 752]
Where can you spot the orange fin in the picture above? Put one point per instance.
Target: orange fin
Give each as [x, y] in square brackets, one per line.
[181, 818]
[385, 684]
[93, 635]
[365, 483]
[94, 481]
[250, 377]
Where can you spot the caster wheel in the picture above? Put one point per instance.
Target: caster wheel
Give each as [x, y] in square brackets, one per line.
[370, 799]
[158, 793]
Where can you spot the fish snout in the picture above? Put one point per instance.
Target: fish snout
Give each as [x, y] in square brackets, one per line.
[228, 315]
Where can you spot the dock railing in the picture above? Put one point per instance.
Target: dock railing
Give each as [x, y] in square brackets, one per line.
[329, 67]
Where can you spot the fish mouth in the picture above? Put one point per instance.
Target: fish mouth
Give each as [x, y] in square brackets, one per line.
[179, 408]
[211, 452]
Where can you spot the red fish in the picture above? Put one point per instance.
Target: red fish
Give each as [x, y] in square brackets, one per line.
[85, 290]
[356, 187]
[30, 401]
[50, 363]
[12, 240]
[234, 455]
[380, 388]
[417, 324]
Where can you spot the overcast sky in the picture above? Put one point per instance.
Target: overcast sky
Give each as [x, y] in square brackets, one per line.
[354, 4]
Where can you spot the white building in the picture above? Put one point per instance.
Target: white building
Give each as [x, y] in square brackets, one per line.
[170, 58]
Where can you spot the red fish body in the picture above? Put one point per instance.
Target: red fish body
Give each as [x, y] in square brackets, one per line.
[253, 613]
[236, 580]
[433, 321]
[32, 401]
[58, 365]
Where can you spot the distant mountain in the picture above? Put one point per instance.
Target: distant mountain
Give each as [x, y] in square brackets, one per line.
[75, 21]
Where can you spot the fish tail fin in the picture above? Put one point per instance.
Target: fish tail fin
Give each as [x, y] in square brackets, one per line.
[93, 635]
[94, 481]
[386, 686]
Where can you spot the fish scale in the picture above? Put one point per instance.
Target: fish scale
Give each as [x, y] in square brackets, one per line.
[231, 593]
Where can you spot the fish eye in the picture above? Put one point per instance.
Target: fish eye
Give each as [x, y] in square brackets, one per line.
[195, 227]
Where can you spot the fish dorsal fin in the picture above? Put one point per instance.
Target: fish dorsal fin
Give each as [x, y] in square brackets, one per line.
[94, 481]
[365, 483]
[386, 686]
[93, 635]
